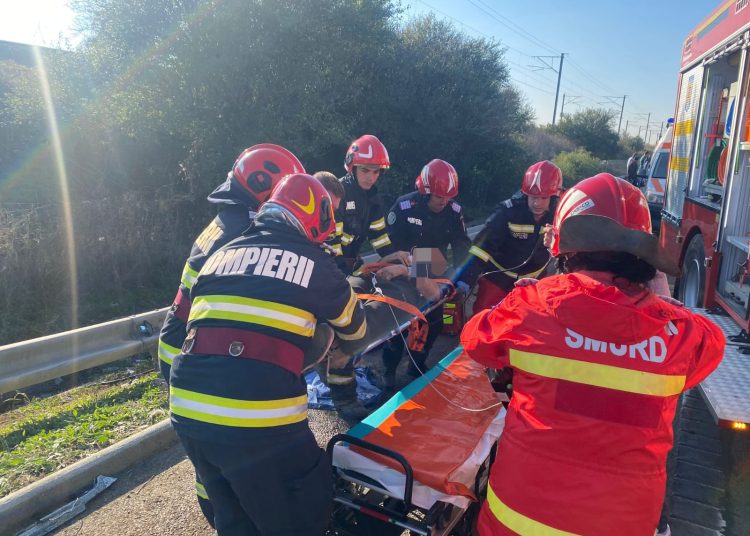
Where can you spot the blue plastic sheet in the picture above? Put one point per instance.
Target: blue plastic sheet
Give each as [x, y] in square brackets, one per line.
[319, 395]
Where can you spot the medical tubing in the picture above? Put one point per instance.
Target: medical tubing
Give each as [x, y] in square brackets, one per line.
[408, 351]
[539, 240]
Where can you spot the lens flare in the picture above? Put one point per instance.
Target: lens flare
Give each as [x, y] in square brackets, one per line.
[62, 177]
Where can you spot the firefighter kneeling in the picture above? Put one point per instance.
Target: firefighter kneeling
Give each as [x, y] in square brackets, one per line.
[590, 423]
[237, 398]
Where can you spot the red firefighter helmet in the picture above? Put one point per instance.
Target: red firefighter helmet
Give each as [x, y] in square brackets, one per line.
[604, 213]
[438, 177]
[309, 202]
[259, 168]
[543, 179]
[366, 150]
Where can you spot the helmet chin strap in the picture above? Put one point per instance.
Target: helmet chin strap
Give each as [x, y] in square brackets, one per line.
[276, 213]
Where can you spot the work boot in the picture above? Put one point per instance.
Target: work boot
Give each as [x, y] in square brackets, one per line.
[346, 403]
[389, 380]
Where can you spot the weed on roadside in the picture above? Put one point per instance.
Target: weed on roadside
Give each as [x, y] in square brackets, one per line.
[55, 432]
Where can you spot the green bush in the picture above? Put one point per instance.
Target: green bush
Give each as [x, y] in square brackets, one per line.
[577, 165]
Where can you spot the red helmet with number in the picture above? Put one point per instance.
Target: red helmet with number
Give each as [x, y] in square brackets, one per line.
[259, 168]
[604, 213]
[543, 179]
[309, 202]
[366, 150]
[439, 178]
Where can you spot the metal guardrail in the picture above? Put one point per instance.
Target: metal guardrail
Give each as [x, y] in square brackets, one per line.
[31, 362]
[39, 360]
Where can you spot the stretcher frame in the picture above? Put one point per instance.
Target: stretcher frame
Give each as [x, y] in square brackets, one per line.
[373, 496]
[361, 502]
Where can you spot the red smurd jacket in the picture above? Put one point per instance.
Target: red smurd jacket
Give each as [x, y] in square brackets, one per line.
[596, 383]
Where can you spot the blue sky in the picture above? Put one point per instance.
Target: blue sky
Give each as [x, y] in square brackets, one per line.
[613, 48]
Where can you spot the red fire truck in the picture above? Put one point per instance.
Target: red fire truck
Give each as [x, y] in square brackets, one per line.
[705, 225]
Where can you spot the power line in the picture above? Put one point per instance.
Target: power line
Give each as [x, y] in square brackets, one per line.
[512, 26]
[531, 85]
[506, 22]
[480, 32]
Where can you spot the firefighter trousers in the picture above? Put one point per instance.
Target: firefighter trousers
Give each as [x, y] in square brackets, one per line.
[394, 349]
[274, 485]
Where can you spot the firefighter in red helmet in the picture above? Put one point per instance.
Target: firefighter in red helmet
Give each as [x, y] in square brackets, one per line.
[426, 218]
[510, 245]
[248, 184]
[360, 217]
[599, 362]
[237, 398]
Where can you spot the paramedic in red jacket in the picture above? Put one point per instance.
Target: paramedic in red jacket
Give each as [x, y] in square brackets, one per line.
[599, 363]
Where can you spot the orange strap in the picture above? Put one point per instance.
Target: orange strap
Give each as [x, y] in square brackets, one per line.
[404, 306]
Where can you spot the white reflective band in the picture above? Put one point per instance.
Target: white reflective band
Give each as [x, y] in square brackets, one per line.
[345, 318]
[519, 228]
[167, 353]
[200, 491]
[234, 412]
[479, 252]
[337, 249]
[239, 309]
[188, 276]
[339, 227]
[335, 379]
[382, 240]
[346, 239]
[378, 225]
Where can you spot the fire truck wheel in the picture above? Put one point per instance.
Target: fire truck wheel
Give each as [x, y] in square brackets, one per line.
[693, 279]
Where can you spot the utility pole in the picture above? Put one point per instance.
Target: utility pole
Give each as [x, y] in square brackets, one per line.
[622, 108]
[648, 122]
[627, 122]
[547, 64]
[570, 101]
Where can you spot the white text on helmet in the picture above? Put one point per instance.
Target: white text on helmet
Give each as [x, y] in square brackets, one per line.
[264, 262]
[653, 349]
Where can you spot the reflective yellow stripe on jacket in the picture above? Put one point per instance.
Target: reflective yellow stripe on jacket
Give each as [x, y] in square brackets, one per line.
[346, 238]
[188, 276]
[378, 225]
[382, 240]
[252, 311]
[596, 374]
[518, 522]
[486, 257]
[167, 353]
[234, 412]
[521, 228]
[345, 318]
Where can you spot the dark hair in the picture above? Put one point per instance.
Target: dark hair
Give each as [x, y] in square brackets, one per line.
[330, 183]
[619, 263]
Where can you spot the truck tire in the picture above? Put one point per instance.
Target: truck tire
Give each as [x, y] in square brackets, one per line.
[692, 282]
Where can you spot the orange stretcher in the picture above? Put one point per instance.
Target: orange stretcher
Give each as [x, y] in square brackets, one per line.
[421, 461]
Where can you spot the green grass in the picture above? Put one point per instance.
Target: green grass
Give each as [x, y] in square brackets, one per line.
[47, 435]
